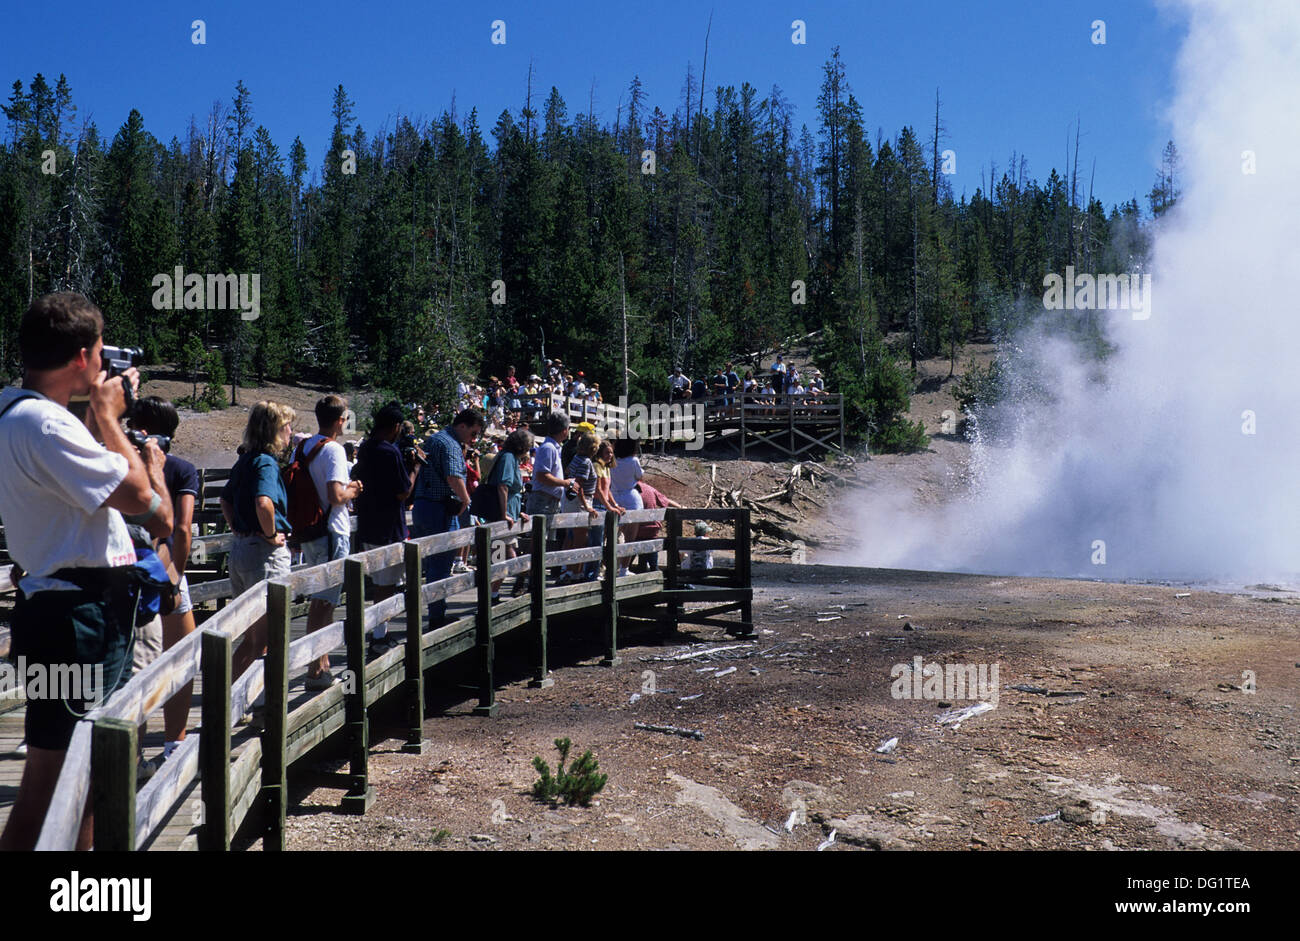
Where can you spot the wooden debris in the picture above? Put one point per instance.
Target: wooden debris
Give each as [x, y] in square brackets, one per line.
[670, 730]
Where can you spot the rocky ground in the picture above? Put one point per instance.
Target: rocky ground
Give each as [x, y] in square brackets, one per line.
[1132, 728]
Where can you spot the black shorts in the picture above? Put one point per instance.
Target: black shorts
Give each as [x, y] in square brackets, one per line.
[77, 646]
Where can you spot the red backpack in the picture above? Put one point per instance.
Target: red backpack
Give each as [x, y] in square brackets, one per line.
[307, 517]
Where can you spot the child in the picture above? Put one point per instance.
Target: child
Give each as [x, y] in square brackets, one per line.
[700, 558]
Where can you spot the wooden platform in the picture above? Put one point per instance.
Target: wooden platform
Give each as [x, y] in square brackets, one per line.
[791, 425]
[182, 829]
[219, 785]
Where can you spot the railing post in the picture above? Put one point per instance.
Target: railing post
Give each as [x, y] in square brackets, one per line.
[537, 590]
[840, 398]
[609, 591]
[744, 546]
[483, 621]
[742, 425]
[275, 783]
[214, 742]
[672, 523]
[112, 780]
[414, 653]
[359, 795]
[789, 408]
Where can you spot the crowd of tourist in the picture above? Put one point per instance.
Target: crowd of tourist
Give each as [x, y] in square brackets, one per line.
[511, 403]
[447, 478]
[782, 379]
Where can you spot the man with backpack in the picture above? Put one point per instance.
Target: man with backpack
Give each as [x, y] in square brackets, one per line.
[319, 492]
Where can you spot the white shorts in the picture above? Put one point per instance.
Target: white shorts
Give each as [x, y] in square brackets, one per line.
[183, 603]
[328, 548]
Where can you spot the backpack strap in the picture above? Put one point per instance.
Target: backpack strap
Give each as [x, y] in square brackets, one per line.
[304, 461]
[25, 394]
[307, 459]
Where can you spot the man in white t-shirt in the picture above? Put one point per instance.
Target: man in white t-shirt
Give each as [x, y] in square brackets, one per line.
[62, 499]
[681, 385]
[334, 489]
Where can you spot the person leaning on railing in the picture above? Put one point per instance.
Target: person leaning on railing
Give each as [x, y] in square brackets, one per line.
[548, 480]
[331, 478]
[388, 479]
[624, 476]
[64, 489]
[256, 509]
[582, 469]
[508, 482]
[651, 499]
[604, 501]
[440, 495]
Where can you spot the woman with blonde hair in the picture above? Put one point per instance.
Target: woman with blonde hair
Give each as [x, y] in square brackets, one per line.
[605, 462]
[256, 509]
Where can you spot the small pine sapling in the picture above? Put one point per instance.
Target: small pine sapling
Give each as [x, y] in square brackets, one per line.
[575, 786]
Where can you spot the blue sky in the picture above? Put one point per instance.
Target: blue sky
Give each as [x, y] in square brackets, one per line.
[1012, 74]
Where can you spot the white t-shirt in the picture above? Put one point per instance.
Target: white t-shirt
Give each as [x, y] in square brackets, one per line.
[330, 464]
[55, 480]
[625, 474]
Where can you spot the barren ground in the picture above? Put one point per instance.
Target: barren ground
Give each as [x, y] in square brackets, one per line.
[1137, 737]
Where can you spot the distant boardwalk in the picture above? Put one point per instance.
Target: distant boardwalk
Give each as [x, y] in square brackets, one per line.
[792, 425]
[227, 778]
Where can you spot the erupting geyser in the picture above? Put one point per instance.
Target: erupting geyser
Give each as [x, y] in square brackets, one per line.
[1179, 456]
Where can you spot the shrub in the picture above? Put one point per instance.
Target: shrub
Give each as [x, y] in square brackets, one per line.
[979, 386]
[574, 786]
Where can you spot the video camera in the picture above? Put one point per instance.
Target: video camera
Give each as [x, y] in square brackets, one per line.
[117, 360]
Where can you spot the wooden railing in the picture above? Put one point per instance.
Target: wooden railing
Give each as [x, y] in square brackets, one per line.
[104, 746]
[792, 424]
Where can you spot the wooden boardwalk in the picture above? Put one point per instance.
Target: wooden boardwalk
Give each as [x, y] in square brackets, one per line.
[236, 769]
[182, 828]
[791, 425]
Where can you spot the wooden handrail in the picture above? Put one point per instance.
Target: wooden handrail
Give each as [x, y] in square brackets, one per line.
[146, 693]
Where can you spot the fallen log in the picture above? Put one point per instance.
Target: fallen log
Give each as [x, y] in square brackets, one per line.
[777, 531]
[670, 730]
[767, 509]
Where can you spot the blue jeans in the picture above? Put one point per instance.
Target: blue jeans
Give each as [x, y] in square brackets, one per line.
[429, 517]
